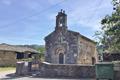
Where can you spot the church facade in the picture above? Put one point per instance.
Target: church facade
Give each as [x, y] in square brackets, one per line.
[64, 46]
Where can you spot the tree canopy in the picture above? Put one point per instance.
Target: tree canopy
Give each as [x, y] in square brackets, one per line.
[109, 35]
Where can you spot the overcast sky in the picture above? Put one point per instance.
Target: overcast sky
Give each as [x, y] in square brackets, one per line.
[29, 21]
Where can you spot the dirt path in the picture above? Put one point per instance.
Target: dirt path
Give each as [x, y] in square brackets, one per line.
[4, 74]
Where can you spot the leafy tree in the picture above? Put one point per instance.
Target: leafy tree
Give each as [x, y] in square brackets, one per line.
[41, 52]
[109, 36]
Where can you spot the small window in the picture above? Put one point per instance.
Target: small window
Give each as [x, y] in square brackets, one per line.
[19, 55]
[61, 22]
[30, 56]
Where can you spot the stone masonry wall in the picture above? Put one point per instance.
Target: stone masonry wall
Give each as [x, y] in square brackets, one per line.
[63, 71]
[87, 51]
[7, 58]
[116, 70]
[69, 71]
[65, 41]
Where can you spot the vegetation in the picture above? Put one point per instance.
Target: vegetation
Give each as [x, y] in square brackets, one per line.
[109, 35]
[27, 59]
[3, 69]
[41, 54]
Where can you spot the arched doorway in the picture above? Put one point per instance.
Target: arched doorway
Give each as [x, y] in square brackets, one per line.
[61, 58]
[93, 60]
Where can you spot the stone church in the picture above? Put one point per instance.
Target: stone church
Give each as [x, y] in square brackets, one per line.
[64, 46]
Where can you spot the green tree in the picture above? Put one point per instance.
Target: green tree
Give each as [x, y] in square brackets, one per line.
[41, 52]
[109, 36]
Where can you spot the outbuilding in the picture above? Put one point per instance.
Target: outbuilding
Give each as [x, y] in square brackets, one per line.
[10, 54]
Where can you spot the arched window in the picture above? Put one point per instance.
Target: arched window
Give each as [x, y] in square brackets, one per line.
[61, 22]
[93, 60]
[61, 58]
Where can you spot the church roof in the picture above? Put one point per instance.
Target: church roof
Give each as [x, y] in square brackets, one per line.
[86, 38]
[48, 35]
[75, 33]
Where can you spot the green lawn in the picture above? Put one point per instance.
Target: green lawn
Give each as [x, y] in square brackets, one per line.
[3, 69]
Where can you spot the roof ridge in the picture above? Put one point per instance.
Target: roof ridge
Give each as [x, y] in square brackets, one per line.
[16, 48]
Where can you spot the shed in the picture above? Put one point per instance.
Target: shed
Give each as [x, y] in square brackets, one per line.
[10, 54]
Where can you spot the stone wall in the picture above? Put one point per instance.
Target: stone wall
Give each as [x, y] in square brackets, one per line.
[61, 42]
[7, 58]
[87, 51]
[73, 71]
[63, 71]
[117, 70]
[68, 70]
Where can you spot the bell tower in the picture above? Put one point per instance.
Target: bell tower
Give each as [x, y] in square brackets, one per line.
[61, 20]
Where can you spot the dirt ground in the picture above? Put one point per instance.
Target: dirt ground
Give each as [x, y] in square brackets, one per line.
[9, 75]
[4, 74]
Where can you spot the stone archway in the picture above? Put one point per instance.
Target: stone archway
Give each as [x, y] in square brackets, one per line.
[60, 55]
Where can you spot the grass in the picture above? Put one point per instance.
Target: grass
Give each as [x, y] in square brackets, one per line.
[3, 69]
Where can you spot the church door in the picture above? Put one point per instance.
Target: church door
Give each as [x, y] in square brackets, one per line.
[93, 60]
[61, 58]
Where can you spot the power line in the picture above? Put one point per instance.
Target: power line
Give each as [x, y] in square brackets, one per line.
[35, 14]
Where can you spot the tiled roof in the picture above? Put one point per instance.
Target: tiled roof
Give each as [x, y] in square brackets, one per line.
[77, 33]
[7, 47]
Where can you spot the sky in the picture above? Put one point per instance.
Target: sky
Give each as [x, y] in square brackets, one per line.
[29, 21]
